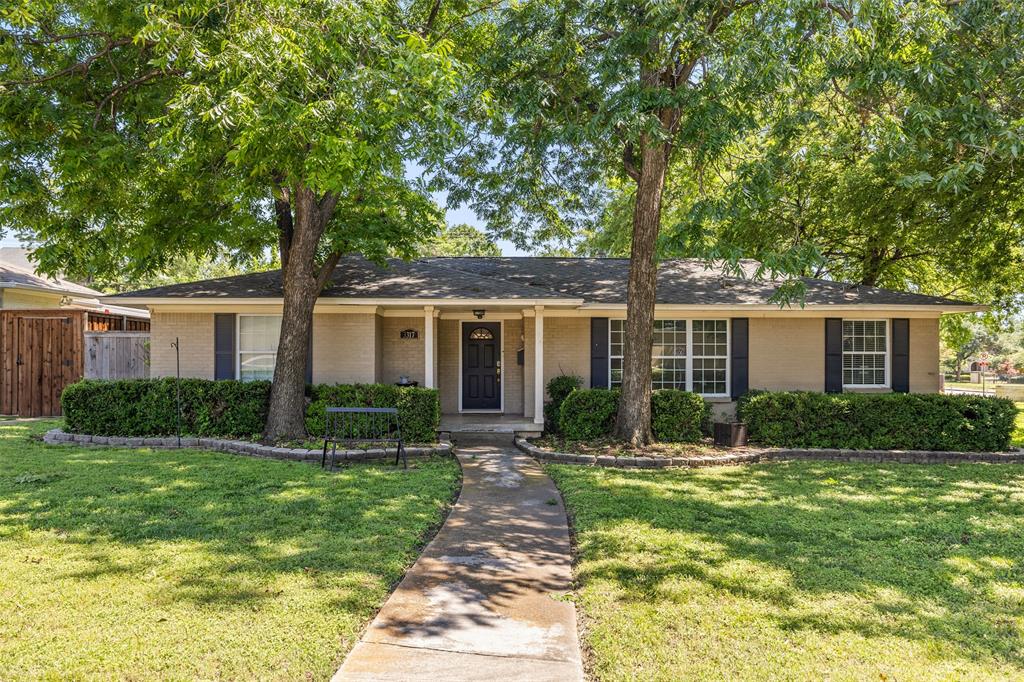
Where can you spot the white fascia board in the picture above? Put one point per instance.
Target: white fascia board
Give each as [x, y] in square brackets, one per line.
[810, 309]
[437, 302]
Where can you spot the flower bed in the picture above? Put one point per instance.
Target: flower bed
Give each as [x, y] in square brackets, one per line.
[705, 457]
[239, 447]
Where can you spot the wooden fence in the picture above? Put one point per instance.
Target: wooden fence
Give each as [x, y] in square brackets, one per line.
[41, 352]
[116, 355]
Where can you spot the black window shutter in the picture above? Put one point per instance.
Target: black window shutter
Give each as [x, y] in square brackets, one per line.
[901, 355]
[599, 352]
[833, 355]
[740, 352]
[224, 346]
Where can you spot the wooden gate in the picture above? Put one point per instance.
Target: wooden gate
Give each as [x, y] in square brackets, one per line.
[116, 355]
[42, 353]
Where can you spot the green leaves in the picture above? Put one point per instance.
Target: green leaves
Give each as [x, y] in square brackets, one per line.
[137, 134]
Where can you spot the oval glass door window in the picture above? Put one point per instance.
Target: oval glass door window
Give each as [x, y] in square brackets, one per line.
[481, 334]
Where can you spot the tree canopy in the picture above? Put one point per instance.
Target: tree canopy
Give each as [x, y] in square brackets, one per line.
[136, 134]
[460, 240]
[895, 163]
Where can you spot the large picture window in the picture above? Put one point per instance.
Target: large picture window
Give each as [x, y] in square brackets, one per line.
[865, 353]
[689, 355]
[257, 346]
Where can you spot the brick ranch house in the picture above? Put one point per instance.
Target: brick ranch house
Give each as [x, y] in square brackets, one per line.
[490, 332]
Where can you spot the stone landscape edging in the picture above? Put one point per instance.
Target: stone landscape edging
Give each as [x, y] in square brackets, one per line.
[237, 447]
[771, 454]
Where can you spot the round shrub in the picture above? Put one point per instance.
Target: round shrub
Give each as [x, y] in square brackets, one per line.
[678, 416]
[559, 389]
[587, 414]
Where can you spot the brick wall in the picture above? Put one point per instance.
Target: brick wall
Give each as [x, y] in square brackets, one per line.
[448, 365]
[787, 353]
[512, 371]
[567, 348]
[344, 348]
[924, 355]
[195, 334]
[402, 356]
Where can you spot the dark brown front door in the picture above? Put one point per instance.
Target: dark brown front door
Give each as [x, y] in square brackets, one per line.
[481, 366]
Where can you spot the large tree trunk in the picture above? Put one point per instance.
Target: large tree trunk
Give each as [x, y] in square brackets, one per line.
[634, 417]
[302, 281]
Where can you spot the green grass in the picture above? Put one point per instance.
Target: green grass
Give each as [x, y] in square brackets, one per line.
[803, 570]
[990, 385]
[141, 564]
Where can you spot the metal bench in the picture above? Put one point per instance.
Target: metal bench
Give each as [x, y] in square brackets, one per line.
[351, 425]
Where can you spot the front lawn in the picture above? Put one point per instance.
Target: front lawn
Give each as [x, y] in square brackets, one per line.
[142, 564]
[800, 570]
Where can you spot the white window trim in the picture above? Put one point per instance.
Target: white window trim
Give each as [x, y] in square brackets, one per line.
[888, 354]
[689, 352]
[238, 343]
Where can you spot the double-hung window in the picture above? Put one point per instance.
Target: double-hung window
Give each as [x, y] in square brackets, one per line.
[257, 346]
[690, 355]
[865, 353]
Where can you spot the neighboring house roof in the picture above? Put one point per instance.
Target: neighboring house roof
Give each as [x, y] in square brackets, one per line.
[15, 275]
[12, 276]
[581, 281]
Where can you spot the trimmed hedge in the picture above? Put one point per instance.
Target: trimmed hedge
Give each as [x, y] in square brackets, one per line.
[559, 389]
[676, 416]
[679, 416]
[588, 414]
[419, 409]
[891, 421]
[147, 407]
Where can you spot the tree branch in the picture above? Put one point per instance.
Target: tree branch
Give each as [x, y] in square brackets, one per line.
[326, 270]
[431, 18]
[629, 162]
[846, 14]
[130, 84]
[82, 66]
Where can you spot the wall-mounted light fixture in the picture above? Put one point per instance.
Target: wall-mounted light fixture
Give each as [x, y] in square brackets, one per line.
[479, 313]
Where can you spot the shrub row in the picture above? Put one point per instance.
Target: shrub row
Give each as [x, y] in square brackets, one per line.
[676, 416]
[892, 421]
[419, 409]
[148, 407]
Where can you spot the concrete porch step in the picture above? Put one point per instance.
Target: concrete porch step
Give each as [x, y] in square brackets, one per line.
[489, 423]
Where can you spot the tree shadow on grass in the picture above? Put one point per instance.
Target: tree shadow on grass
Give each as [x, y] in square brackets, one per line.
[915, 552]
[247, 520]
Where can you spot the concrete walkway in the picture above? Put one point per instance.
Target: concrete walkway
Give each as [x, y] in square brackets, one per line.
[483, 600]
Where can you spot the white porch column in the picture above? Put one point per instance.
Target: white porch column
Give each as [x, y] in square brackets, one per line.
[538, 365]
[428, 346]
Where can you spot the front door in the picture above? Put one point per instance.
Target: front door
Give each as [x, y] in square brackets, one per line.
[481, 366]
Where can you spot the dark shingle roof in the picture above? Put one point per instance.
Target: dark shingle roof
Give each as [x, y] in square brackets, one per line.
[590, 280]
[356, 277]
[680, 281]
